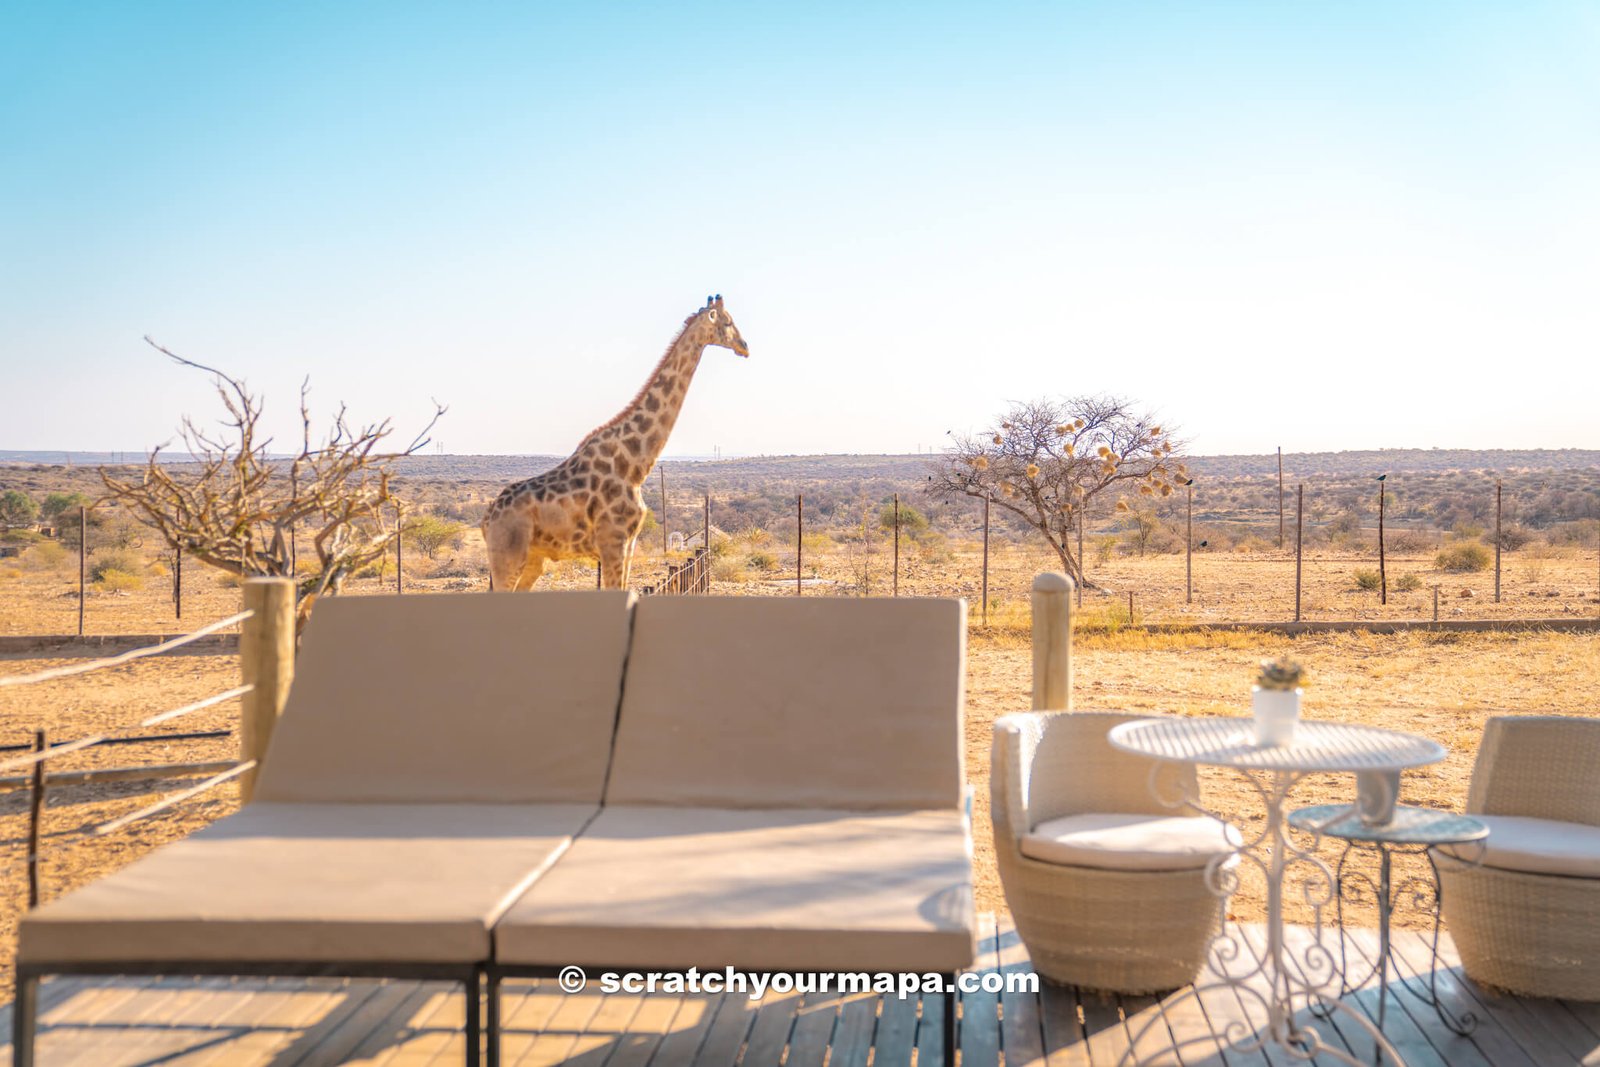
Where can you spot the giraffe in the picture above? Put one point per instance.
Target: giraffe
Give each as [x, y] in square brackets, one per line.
[590, 504]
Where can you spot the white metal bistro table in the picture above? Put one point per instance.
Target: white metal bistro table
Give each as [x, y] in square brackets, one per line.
[1310, 976]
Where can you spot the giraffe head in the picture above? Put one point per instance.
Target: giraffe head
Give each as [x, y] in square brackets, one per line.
[718, 328]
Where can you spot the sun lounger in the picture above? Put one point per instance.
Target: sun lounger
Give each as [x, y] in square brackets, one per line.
[437, 754]
[786, 795]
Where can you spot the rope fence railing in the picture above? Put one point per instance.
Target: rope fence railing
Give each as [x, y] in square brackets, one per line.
[266, 657]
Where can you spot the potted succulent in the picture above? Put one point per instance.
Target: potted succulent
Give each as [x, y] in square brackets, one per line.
[1275, 700]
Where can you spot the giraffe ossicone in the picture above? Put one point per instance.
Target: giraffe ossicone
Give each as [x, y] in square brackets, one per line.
[589, 505]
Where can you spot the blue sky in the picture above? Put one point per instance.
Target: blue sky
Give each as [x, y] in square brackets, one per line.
[1317, 226]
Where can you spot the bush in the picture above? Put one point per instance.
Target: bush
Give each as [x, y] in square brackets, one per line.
[46, 555]
[1368, 579]
[1408, 583]
[1463, 557]
[125, 563]
[430, 533]
[912, 521]
[56, 505]
[17, 508]
[20, 537]
[1512, 537]
[763, 561]
[115, 581]
[1407, 541]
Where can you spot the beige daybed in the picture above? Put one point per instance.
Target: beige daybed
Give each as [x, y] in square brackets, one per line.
[437, 753]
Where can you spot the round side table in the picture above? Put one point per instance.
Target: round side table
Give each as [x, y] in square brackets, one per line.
[1412, 832]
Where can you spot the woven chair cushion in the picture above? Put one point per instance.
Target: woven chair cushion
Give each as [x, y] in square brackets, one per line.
[1116, 842]
[1541, 846]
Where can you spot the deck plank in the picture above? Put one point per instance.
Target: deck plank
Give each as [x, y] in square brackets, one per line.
[729, 1029]
[1400, 1025]
[1415, 957]
[1021, 1022]
[770, 1034]
[1547, 1032]
[979, 1035]
[896, 1032]
[601, 1032]
[1066, 1044]
[336, 1046]
[681, 1047]
[852, 1037]
[255, 1022]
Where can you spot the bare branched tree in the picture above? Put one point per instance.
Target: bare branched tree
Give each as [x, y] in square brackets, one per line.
[1048, 460]
[237, 507]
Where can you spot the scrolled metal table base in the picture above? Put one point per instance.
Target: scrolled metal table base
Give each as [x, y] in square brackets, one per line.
[1309, 978]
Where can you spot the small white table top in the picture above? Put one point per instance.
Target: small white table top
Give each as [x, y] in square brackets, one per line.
[1316, 746]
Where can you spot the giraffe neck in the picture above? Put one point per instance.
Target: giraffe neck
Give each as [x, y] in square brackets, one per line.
[646, 423]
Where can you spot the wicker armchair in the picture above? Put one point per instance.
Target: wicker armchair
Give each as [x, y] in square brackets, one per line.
[1528, 920]
[1132, 923]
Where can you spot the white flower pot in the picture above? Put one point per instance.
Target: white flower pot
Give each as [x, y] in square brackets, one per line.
[1277, 711]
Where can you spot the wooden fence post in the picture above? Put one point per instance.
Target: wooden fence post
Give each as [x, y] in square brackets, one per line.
[177, 582]
[1383, 571]
[663, 472]
[1280, 498]
[266, 662]
[1052, 642]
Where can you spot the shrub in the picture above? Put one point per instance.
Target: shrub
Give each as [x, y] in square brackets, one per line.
[20, 537]
[912, 521]
[57, 504]
[1105, 547]
[728, 569]
[125, 563]
[46, 555]
[762, 561]
[1463, 557]
[1407, 541]
[17, 508]
[1512, 537]
[1408, 583]
[1368, 579]
[115, 581]
[430, 533]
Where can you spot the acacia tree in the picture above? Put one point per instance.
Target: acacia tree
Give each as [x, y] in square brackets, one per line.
[237, 507]
[1048, 460]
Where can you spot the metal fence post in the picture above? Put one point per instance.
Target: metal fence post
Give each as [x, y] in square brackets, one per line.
[896, 591]
[1498, 542]
[36, 788]
[266, 663]
[799, 538]
[986, 560]
[83, 562]
[1299, 541]
[1052, 642]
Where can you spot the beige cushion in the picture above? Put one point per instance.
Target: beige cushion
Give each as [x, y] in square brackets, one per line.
[1539, 846]
[466, 698]
[304, 882]
[763, 890]
[1130, 842]
[807, 702]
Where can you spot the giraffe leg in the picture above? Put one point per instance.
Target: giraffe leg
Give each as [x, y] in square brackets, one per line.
[531, 570]
[627, 560]
[613, 565]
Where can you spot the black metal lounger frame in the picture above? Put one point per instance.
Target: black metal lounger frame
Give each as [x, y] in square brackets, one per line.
[25, 1007]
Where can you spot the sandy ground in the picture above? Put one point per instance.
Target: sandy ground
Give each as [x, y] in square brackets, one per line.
[1440, 685]
[1536, 582]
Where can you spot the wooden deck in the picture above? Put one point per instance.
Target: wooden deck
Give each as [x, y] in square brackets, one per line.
[300, 1023]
